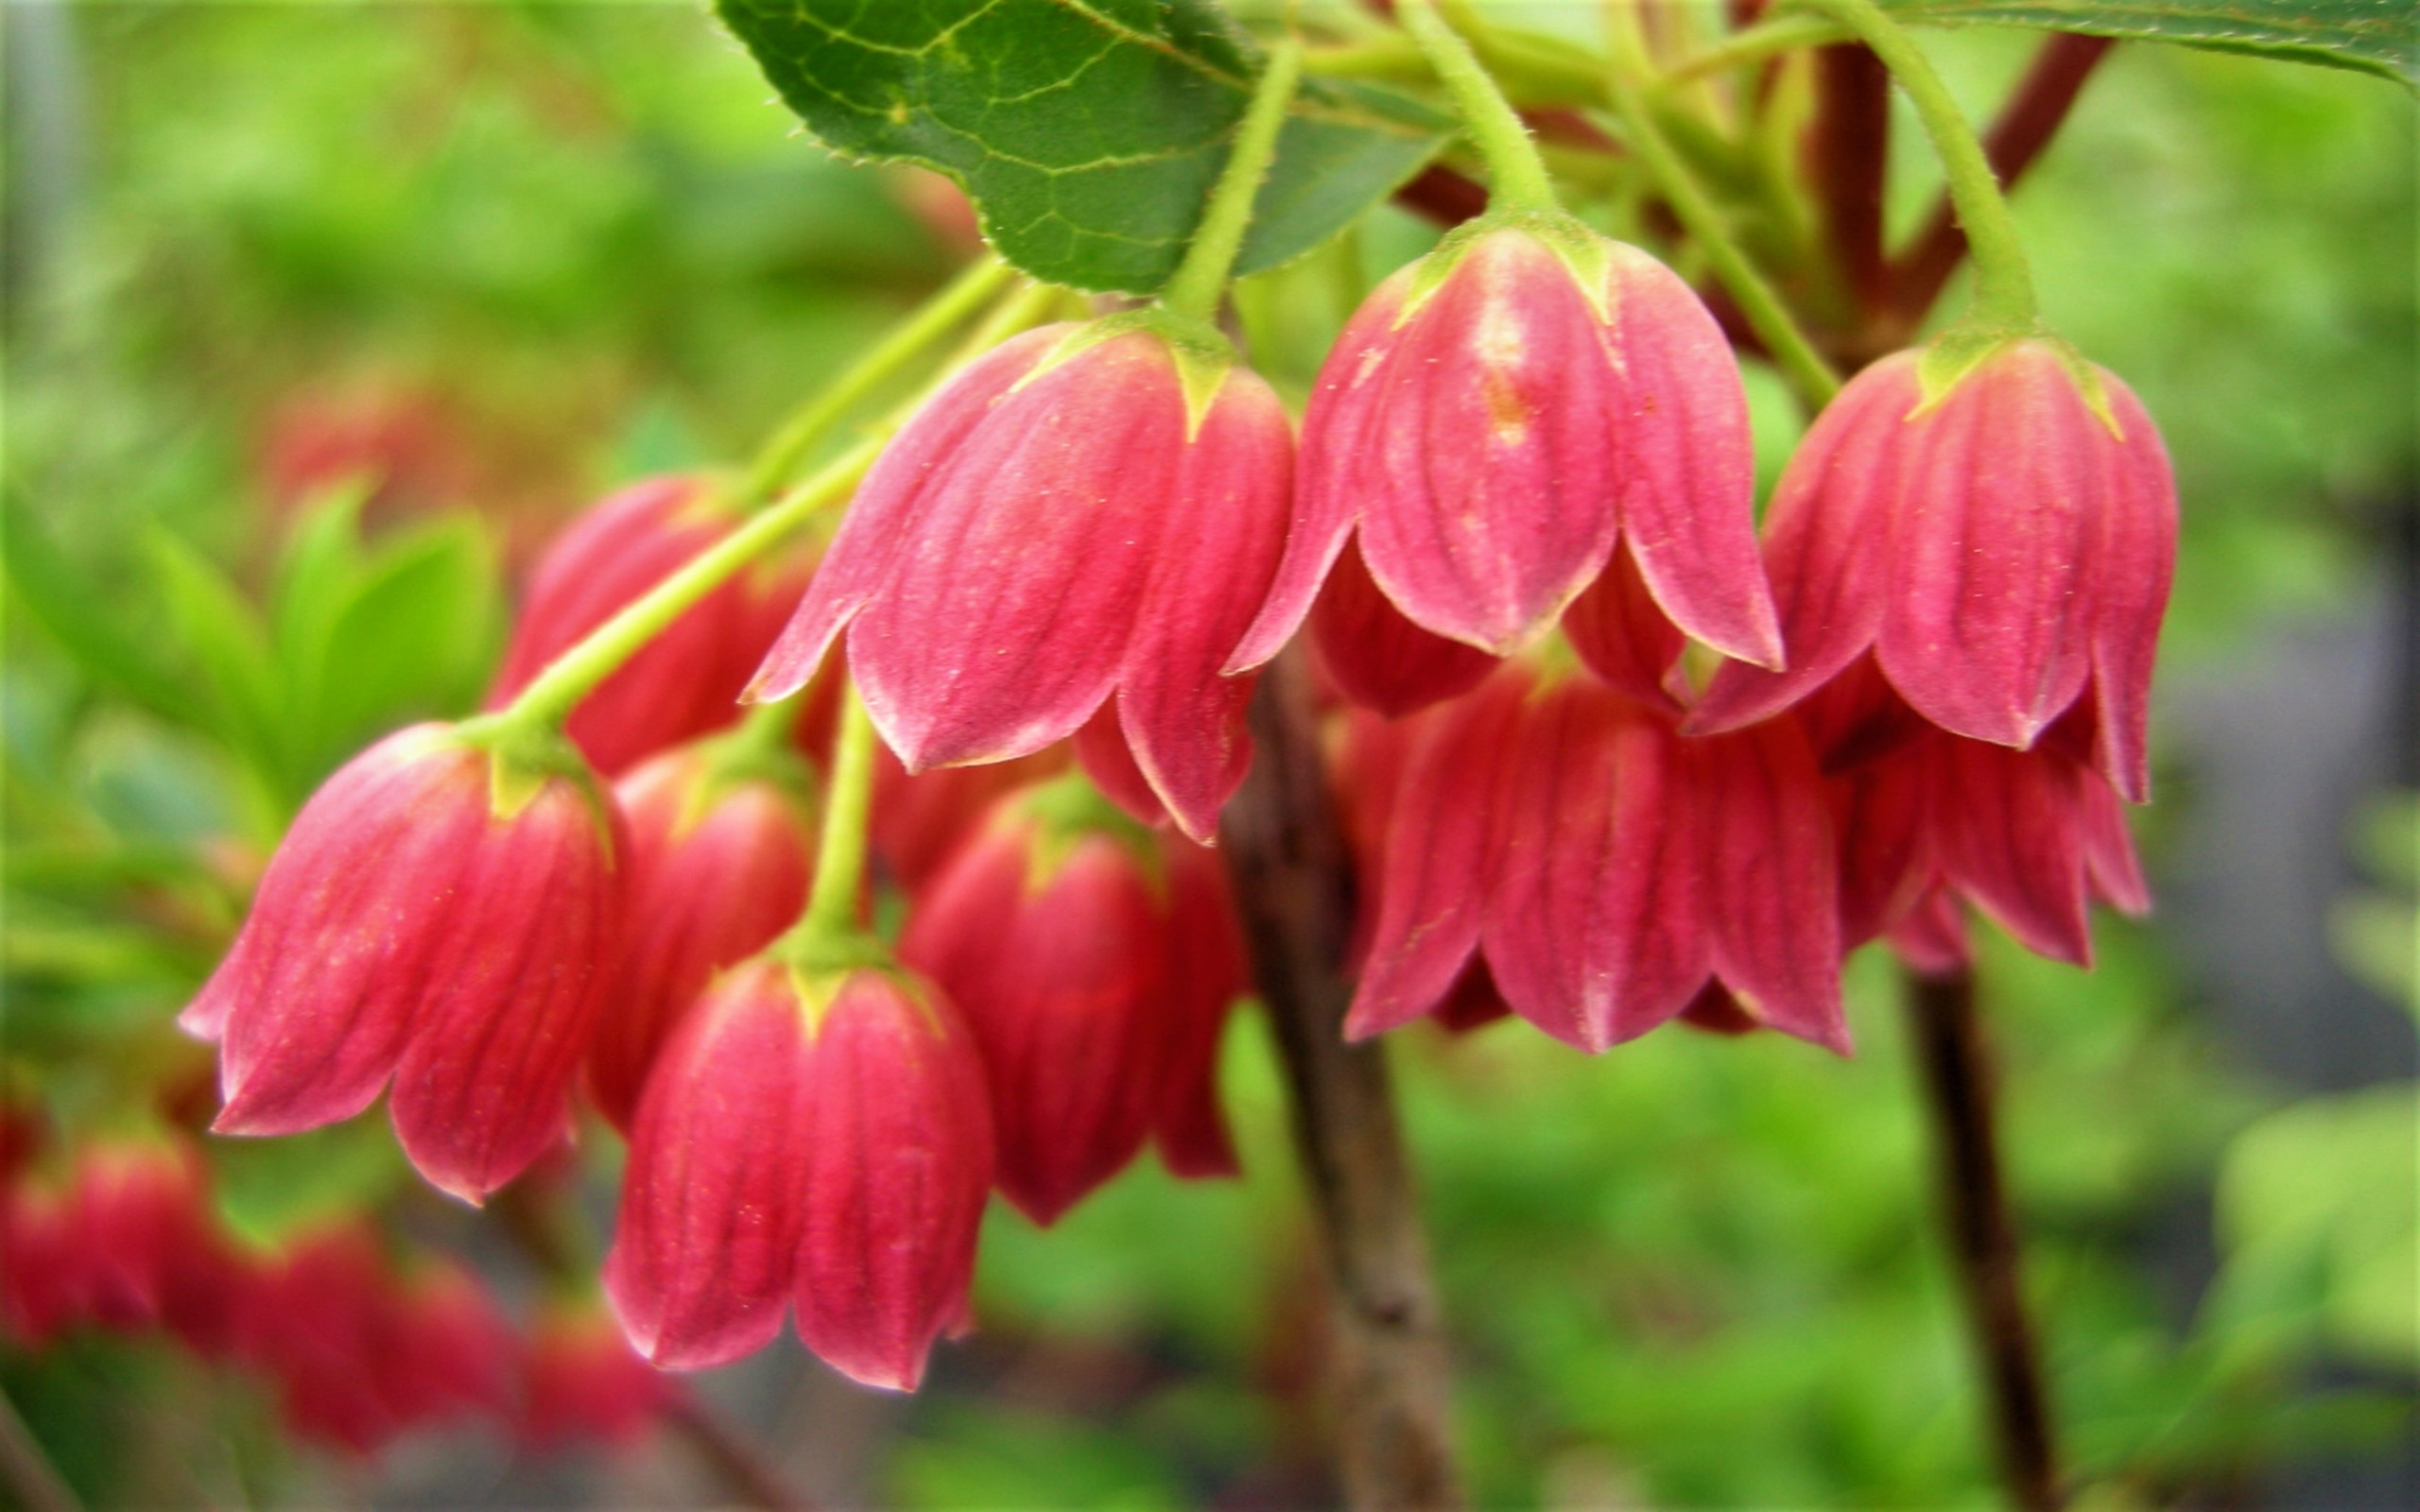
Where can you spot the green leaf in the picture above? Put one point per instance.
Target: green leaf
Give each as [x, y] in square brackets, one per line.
[413, 638]
[79, 617]
[224, 634]
[1088, 132]
[2375, 36]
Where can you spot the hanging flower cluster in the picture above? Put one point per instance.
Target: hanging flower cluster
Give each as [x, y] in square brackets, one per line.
[1523, 492]
[125, 1238]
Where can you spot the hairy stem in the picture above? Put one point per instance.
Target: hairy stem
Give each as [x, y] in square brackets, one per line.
[1956, 1069]
[2003, 278]
[1201, 279]
[1517, 174]
[1763, 308]
[910, 339]
[1388, 1375]
[571, 676]
[2032, 116]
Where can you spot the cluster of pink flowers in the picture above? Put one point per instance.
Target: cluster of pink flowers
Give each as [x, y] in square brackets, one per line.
[1524, 488]
[358, 1349]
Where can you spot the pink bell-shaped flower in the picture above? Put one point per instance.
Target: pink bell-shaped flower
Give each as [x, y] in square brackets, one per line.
[1606, 868]
[811, 1137]
[1929, 820]
[1376, 657]
[1085, 519]
[718, 864]
[1500, 419]
[443, 916]
[1998, 529]
[686, 681]
[1056, 929]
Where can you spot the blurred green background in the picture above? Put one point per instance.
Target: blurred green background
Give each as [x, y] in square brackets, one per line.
[507, 254]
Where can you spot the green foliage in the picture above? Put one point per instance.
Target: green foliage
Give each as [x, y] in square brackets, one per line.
[1087, 134]
[2319, 1212]
[2376, 36]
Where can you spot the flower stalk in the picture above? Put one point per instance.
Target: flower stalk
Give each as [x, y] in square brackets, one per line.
[1200, 280]
[848, 808]
[1518, 177]
[2004, 296]
[910, 339]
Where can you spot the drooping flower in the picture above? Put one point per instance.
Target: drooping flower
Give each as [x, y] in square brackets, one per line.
[1376, 657]
[1095, 982]
[1999, 529]
[443, 916]
[1606, 868]
[1502, 419]
[580, 1380]
[1084, 519]
[1929, 820]
[361, 1352]
[816, 1139]
[718, 863]
[686, 681]
[145, 1225]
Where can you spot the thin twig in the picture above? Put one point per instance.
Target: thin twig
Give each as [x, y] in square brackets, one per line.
[1388, 1375]
[737, 1460]
[2035, 112]
[1957, 1074]
[28, 1473]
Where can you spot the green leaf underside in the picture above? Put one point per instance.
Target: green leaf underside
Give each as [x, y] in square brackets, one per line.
[1088, 132]
[2376, 36]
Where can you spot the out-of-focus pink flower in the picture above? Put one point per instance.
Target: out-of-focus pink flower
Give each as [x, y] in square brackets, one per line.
[816, 1138]
[362, 1354]
[148, 1231]
[1095, 982]
[439, 916]
[581, 1381]
[1606, 868]
[1084, 519]
[1503, 418]
[2002, 536]
[718, 864]
[686, 681]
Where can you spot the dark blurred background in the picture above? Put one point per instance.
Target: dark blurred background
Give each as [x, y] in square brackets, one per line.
[499, 256]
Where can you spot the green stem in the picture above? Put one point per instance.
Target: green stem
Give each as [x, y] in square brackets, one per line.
[2003, 279]
[549, 700]
[1767, 314]
[1758, 43]
[1517, 174]
[1201, 279]
[848, 806]
[907, 341]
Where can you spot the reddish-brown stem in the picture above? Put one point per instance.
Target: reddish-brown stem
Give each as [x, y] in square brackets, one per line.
[1955, 1066]
[737, 1462]
[2032, 117]
[1445, 196]
[1847, 150]
[1387, 1380]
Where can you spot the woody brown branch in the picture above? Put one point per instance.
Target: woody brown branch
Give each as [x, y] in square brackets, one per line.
[1387, 1362]
[1955, 1068]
